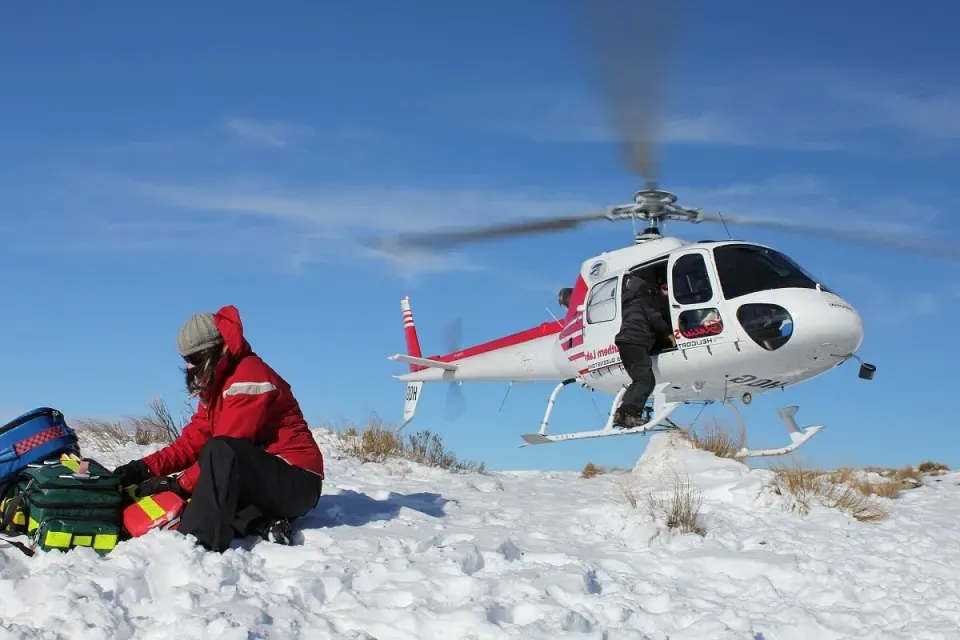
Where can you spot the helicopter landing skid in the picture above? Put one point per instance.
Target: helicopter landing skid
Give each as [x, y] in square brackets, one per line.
[798, 435]
[659, 422]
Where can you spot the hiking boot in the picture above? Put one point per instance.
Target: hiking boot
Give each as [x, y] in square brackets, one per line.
[618, 418]
[279, 531]
[629, 422]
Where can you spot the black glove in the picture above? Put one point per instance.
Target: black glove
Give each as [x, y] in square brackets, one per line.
[134, 472]
[159, 484]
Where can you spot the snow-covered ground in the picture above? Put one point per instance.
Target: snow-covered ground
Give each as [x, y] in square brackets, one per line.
[401, 551]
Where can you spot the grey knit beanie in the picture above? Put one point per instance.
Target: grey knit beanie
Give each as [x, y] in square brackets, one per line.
[198, 333]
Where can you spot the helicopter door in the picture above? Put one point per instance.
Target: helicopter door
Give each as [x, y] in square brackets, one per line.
[696, 303]
[601, 322]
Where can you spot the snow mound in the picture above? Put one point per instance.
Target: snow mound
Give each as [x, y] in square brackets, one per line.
[401, 551]
[670, 458]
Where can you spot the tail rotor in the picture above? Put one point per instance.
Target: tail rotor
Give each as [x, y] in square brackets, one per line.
[456, 404]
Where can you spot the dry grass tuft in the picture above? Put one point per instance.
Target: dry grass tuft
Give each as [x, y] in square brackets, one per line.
[908, 477]
[591, 470]
[158, 427]
[106, 435]
[677, 506]
[681, 507]
[377, 443]
[718, 440]
[630, 494]
[374, 444]
[932, 467]
[842, 489]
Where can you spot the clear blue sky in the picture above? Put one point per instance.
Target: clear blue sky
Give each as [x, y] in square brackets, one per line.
[155, 161]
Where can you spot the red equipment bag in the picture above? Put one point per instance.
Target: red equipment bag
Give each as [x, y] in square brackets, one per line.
[160, 511]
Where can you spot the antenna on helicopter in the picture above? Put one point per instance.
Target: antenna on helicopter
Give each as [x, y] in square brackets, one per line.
[724, 222]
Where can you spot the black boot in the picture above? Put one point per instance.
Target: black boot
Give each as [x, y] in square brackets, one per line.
[278, 531]
[619, 418]
[627, 420]
[630, 422]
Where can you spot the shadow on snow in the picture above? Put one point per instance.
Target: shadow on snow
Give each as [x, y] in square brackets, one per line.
[355, 509]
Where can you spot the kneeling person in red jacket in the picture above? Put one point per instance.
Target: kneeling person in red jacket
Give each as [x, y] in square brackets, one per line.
[250, 464]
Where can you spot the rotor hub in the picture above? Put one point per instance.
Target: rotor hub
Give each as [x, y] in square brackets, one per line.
[655, 206]
[654, 197]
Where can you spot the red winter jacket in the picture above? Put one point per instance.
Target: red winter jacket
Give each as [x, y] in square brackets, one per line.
[250, 401]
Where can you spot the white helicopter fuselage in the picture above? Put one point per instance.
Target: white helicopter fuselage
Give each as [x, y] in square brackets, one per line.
[746, 320]
[826, 331]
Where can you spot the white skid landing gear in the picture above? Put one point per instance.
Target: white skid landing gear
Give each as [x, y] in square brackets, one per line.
[798, 436]
[660, 420]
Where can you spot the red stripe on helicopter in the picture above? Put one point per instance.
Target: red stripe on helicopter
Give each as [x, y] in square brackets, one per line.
[575, 325]
[540, 331]
[577, 296]
[572, 342]
[573, 320]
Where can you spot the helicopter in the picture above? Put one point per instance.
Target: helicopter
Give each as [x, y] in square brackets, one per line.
[746, 318]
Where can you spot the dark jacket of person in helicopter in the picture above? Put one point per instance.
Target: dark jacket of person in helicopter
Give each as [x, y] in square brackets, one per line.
[641, 327]
[642, 320]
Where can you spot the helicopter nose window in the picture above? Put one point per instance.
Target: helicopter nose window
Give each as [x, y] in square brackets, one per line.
[746, 268]
[769, 325]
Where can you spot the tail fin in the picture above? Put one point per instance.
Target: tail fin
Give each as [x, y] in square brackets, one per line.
[412, 396]
[410, 332]
[410, 401]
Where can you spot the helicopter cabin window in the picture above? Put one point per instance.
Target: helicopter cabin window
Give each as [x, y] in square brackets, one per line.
[603, 302]
[700, 323]
[691, 280]
[746, 268]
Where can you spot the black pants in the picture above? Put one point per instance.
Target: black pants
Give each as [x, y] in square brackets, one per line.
[639, 366]
[239, 484]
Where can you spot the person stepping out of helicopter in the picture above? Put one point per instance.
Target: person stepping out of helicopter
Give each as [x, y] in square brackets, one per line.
[641, 326]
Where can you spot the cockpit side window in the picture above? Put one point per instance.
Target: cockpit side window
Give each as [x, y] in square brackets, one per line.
[745, 269]
[603, 303]
[691, 280]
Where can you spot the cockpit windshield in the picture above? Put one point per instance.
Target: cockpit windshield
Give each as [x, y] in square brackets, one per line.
[746, 268]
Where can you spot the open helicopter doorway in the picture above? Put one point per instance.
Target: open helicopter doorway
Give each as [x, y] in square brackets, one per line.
[655, 274]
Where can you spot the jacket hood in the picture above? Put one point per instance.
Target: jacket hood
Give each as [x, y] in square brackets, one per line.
[230, 327]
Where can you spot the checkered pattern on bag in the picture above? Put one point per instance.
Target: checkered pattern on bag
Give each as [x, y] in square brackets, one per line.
[37, 439]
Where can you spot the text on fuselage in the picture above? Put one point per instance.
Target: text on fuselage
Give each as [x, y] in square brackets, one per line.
[750, 380]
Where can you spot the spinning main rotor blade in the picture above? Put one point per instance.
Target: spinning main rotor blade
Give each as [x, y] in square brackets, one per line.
[449, 238]
[628, 42]
[924, 246]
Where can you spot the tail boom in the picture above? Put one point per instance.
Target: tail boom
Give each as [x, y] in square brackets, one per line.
[524, 356]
